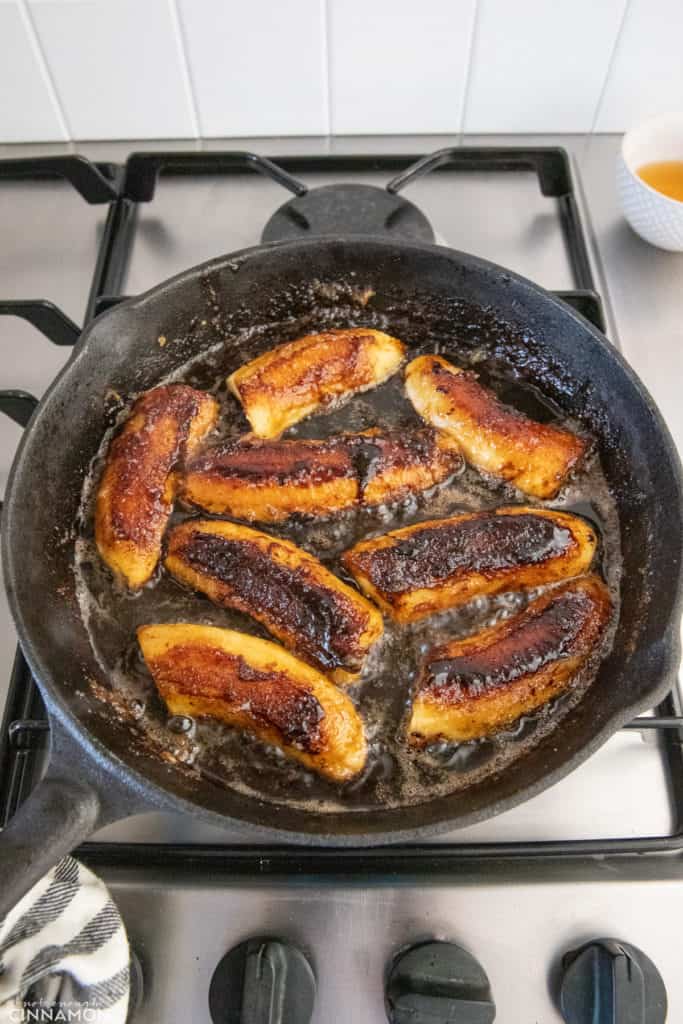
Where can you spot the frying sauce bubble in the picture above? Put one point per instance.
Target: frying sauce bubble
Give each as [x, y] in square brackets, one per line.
[395, 774]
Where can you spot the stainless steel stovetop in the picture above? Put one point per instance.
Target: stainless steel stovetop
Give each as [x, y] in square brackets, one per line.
[516, 918]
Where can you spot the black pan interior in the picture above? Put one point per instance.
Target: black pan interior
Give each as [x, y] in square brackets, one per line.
[327, 280]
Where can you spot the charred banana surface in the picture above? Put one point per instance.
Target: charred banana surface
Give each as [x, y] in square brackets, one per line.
[269, 481]
[395, 464]
[470, 688]
[326, 622]
[442, 563]
[138, 484]
[257, 686]
[535, 457]
[299, 377]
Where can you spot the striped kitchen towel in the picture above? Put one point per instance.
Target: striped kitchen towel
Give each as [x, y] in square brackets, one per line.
[64, 952]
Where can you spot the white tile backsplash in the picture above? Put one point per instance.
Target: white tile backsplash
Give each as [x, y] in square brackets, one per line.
[398, 66]
[646, 77]
[538, 66]
[257, 68]
[28, 109]
[185, 69]
[117, 66]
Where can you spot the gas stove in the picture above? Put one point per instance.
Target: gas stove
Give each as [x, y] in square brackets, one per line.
[534, 910]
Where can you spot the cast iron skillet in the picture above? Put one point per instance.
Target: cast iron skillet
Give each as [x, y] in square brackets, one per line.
[96, 775]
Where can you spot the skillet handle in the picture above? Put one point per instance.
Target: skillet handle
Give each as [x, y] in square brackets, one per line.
[57, 816]
[77, 796]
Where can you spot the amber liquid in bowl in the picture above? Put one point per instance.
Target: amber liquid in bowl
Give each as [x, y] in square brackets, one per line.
[665, 176]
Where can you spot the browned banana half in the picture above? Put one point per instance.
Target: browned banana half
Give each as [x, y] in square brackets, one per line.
[138, 485]
[535, 457]
[290, 382]
[443, 563]
[323, 620]
[268, 481]
[470, 688]
[394, 464]
[257, 686]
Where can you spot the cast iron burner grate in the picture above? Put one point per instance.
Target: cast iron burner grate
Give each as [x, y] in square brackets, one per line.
[348, 209]
[25, 728]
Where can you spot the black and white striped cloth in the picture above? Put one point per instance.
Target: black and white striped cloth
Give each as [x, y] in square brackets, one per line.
[64, 945]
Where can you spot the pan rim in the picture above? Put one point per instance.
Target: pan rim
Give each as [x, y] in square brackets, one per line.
[155, 793]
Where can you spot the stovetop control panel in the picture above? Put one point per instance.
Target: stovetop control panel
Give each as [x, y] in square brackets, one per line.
[266, 980]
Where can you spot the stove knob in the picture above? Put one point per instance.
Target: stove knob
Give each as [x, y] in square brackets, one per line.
[262, 981]
[438, 983]
[610, 982]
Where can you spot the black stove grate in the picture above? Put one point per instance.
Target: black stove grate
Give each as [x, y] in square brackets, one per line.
[25, 729]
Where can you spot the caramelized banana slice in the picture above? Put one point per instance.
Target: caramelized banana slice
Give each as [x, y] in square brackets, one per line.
[396, 464]
[469, 688]
[257, 686]
[268, 481]
[443, 563]
[535, 457]
[138, 484]
[299, 377]
[325, 621]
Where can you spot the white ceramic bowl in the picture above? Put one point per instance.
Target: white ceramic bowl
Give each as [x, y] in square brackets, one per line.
[655, 217]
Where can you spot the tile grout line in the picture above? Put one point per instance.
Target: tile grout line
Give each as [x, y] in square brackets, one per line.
[468, 72]
[327, 64]
[185, 66]
[29, 25]
[610, 62]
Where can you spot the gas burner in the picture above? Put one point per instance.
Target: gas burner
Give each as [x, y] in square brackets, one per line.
[348, 210]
